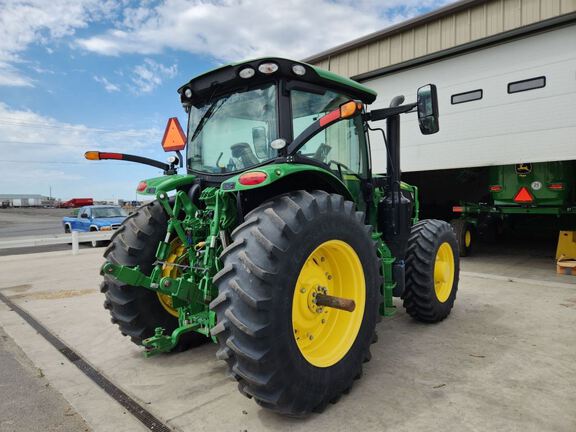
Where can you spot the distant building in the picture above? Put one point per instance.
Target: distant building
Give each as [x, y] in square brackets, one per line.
[24, 200]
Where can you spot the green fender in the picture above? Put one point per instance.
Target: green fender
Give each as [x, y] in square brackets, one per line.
[277, 172]
[157, 185]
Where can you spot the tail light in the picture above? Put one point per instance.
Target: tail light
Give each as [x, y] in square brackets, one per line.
[252, 178]
[141, 186]
[495, 188]
[458, 209]
[556, 186]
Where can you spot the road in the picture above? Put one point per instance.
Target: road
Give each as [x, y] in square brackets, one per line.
[29, 402]
[504, 360]
[15, 222]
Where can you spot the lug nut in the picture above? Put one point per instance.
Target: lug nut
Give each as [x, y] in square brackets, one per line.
[302, 290]
[310, 337]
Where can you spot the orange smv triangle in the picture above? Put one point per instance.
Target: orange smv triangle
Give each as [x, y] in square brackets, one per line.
[174, 138]
[523, 196]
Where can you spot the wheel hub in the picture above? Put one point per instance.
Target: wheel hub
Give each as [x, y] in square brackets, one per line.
[444, 272]
[332, 274]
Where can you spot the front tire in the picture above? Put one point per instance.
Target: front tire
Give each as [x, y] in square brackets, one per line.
[432, 271]
[289, 356]
[465, 236]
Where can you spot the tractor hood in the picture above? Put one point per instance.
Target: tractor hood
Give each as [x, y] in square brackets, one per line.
[254, 72]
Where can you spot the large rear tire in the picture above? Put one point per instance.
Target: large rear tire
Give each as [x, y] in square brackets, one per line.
[432, 271]
[136, 310]
[290, 355]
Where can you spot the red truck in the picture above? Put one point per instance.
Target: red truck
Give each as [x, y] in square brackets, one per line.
[77, 202]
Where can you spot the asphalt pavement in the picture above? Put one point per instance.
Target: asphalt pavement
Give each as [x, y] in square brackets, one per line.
[28, 402]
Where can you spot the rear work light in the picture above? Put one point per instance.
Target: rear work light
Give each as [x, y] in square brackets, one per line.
[523, 196]
[496, 188]
[268, 68]
[556, 186]
[252, 178]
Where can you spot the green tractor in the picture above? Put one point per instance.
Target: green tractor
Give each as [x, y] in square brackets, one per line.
[279, 243]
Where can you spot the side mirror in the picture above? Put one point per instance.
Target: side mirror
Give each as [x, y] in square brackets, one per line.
[174, 137]
[84, 215]
[260, 142]
[427, 101]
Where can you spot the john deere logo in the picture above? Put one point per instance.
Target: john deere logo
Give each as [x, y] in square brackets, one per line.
[523, 168]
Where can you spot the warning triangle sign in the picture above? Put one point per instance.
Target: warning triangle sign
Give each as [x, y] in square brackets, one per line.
[174, 138]
[523, 196]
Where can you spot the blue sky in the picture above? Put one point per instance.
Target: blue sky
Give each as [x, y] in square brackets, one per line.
[79, 75]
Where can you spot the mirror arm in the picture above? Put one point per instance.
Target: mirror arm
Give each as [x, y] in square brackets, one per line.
[384, 113]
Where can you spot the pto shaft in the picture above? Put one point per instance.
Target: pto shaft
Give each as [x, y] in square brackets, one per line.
[335, 302]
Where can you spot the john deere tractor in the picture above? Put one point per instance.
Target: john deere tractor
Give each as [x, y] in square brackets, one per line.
[277, 241]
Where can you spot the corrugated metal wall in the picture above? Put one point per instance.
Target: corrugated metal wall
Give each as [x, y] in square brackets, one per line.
[484, 20]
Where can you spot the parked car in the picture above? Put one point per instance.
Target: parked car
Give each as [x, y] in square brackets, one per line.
[95, 218]
[77, 202]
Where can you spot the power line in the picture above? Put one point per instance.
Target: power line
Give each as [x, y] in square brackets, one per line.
[80, 129]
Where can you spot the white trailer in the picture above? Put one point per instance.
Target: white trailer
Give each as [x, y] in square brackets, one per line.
[504, 104]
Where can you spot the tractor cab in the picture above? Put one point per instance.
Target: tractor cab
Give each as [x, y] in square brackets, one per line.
[244, 116]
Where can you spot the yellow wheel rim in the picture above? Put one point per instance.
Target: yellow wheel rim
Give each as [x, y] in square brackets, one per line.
[444, 272]
[325, 335]
[177, 255]
[468, 238]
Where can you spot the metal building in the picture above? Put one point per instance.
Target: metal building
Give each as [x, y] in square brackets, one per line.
[485, 56]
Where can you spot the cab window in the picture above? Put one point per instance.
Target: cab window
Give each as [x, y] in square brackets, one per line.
[341, 146]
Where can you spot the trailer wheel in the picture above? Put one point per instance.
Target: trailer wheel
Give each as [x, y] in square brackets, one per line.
[432, 271]
[465, 236]
[136, 310]
[287, 352]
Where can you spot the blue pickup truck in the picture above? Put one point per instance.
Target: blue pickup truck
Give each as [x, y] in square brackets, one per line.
[95, 218]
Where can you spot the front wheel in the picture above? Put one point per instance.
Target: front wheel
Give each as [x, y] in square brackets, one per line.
[432, 271]
[465, 236]
[287, 348]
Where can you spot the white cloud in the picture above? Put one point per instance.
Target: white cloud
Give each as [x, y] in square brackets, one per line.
[38, 151]
[26, 135]
[108, 86]
[26, 22]
[235, 29]
[149, 75]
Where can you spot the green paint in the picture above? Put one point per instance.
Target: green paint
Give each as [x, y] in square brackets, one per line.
[387, 307]
[536, 178]
[338, 79]
[166, 183]
[275, 172]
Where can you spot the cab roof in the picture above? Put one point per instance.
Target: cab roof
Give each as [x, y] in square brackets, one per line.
[224, 79]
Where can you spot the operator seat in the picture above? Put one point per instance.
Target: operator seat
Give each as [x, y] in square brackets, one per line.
[243, 152]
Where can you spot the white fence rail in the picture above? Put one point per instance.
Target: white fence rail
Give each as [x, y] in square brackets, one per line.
[74, 238]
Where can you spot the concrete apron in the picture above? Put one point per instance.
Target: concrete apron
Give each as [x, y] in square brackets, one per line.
[504, 360]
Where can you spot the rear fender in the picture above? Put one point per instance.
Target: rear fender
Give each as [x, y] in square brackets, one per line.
[283, 178]
[164, 184]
